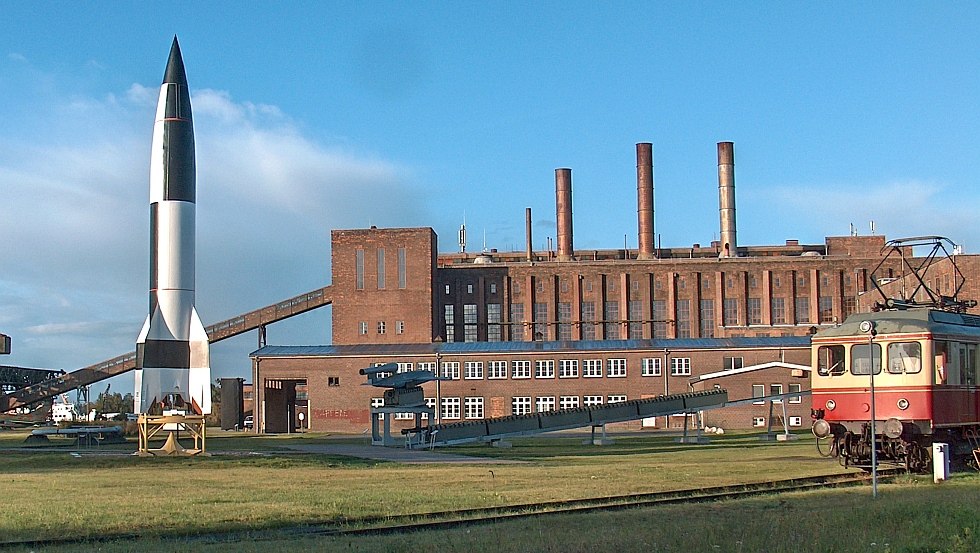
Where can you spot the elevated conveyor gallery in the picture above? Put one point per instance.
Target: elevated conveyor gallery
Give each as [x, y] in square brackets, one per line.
[257, 319]
[489, 430]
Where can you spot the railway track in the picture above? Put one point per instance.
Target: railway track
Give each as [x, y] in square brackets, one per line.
[401, 524]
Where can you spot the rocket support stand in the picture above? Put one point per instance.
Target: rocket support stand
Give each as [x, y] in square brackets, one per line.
[152, 425]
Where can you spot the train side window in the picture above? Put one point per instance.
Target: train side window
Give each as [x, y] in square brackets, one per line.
[830, 360]
[860, 359]
[904, 357]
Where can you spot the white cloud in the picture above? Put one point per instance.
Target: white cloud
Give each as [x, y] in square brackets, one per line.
[898, 208]
[73, 199]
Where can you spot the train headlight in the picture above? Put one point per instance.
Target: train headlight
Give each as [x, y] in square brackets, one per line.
[903, 404]
[831, 405]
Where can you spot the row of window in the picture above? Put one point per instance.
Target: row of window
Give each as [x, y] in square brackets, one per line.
[382, 327]
[611, 323]
[761, 421]
[455, 408]
[730, 283]
[359, 269]
[957, 363]
[472, 408]
[759, 390]
[548, 368]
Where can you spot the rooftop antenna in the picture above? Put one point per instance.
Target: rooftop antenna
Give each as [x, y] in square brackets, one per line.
[484, 239]
[462, 235]
[854, 230]
[872, 228]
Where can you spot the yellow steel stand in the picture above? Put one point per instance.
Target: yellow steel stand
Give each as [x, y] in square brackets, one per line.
[152, 425]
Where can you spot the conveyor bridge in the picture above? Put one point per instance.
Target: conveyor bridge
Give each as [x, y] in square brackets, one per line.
[498, 428]
[85, 376]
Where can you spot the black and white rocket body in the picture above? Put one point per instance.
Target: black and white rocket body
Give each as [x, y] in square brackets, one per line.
[173, 368]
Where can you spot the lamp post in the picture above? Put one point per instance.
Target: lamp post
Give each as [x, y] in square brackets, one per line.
[869, 328]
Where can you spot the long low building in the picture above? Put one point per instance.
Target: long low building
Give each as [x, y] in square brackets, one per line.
[494, 379]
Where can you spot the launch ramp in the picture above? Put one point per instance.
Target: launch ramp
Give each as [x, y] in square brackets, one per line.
[488, 430]
[118, 365]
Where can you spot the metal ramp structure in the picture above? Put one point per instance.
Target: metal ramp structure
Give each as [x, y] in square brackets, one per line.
[234, 326]
[498, 428]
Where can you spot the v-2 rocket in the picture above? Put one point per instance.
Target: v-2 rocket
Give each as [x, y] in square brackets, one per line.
[173, 368]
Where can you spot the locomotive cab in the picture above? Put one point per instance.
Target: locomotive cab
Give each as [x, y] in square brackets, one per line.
[921, 364]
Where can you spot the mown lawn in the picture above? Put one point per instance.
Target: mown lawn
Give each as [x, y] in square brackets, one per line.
[252, 483]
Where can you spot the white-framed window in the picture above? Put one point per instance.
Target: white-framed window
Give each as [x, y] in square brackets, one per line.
[544, 368]
[758, 421]
[450, 369]
[450, 408]
[378, 402]
[473, 370]
[775, 390]
[652, 366]
[619, 398]
[758, 390]
[404, 416]
[796, 421]
[616, 368]
[520, 405]
[469, 288]
[381, 327]
[592, 368]
[568, 402]
[384, 374]
[400, 327]
[497, 370]
[520, 369]
[405, 367]
[544, 403]
[473, 407]
[591, 401]
[430, 402]
[362, 328]
[427, 366]
[568, 368]
[796, 388]
[680, 366]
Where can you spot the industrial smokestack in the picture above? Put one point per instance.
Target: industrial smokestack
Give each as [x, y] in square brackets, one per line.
[527, 231]
[726, 198]
[644, 199]
[563, 197]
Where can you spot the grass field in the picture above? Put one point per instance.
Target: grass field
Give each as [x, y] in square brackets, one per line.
[254, 484]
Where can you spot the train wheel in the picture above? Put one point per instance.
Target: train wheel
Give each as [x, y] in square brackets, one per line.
[916, 458]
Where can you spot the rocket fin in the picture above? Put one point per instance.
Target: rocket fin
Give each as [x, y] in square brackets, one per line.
[199, 379]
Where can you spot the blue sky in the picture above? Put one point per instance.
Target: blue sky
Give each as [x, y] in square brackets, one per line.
[313, 116]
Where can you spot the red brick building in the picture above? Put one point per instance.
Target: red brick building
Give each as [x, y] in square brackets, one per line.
[524, 331]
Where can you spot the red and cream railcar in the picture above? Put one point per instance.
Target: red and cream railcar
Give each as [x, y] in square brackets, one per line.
[923, 363]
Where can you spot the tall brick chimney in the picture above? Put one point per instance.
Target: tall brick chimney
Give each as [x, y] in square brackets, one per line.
[563, 199]
[726, 198]
[644, 199]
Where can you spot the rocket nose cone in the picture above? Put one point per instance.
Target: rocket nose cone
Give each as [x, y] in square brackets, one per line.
[175, 66]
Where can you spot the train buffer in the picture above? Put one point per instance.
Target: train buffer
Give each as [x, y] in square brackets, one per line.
[498, 428]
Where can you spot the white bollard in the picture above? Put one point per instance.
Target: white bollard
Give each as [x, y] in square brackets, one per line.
[940, 462]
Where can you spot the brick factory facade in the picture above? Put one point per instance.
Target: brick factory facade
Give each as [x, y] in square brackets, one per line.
[515, 335]
[518, 332]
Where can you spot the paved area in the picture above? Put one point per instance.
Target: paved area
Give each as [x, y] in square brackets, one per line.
[398, 455]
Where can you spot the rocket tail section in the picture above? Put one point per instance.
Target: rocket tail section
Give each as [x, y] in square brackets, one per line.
[174, 374]
[199, 384]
